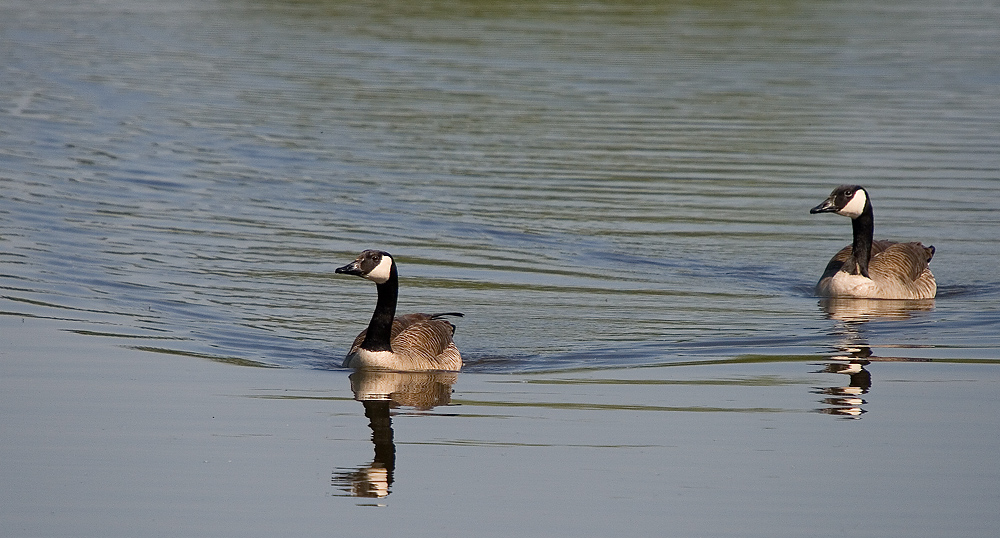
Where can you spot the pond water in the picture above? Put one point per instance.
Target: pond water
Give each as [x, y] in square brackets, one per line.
[614, 194]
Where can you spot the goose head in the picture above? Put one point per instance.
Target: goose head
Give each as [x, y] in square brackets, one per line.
[847, 200]
[374, 265]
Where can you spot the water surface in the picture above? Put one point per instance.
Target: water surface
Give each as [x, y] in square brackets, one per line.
[615, 194]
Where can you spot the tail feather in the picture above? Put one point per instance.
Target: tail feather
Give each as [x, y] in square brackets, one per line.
[443, 314]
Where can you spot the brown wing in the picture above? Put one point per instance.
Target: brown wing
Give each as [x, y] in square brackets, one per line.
[900, 269]
[841, 257]
[426, 339]
[903, 261]
[398, 324]
[419, 337]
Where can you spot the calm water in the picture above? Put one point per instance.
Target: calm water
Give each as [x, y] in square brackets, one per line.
[595, 185]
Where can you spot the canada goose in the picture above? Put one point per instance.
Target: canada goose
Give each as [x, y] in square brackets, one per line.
[414, 342]
[872, 269]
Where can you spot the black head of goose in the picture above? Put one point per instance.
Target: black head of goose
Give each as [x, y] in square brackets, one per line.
[872, 269]
[412, 342]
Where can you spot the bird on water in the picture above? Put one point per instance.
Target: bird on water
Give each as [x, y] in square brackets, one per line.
[870, 269]
[411, 342]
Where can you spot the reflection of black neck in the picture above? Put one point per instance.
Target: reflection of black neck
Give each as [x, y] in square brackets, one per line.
[862, 380]
[380, 327]
[864, 231]
[381, 424]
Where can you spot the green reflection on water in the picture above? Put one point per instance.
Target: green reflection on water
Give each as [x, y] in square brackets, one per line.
[757, 381]
[479, 443]
[236, 361]
[578, 406]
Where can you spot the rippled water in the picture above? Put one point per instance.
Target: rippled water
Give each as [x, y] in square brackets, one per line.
[595, 185]
[592, 184]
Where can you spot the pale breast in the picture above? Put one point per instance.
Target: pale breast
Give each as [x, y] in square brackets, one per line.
[843, 284]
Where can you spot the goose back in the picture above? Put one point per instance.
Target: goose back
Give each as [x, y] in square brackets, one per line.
[897, 271]
[418, 341]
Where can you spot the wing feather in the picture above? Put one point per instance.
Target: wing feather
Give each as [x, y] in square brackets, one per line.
[420, 339]
[899, 269]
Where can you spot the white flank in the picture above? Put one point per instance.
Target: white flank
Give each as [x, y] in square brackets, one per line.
[847, 285]
[381, 272]
[856, 206]
[362, 358]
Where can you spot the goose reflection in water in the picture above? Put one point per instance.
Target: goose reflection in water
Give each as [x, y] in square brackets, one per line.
[854, 352]
[847, 401]
[380, 392]
[862, 310]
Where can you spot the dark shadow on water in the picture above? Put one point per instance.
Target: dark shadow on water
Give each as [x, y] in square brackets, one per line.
[651, 354]
[967, 290]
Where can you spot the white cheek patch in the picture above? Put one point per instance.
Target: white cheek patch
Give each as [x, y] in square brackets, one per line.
[856, 206]
[380, 274]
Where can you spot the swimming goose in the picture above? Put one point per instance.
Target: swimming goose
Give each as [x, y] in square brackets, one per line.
[413, 342]
[872, 269]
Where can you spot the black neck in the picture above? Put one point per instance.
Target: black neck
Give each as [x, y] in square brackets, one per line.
[864, 231]
[380, 327]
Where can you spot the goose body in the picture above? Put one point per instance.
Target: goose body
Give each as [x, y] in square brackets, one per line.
[412, 342]
[870, 269]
